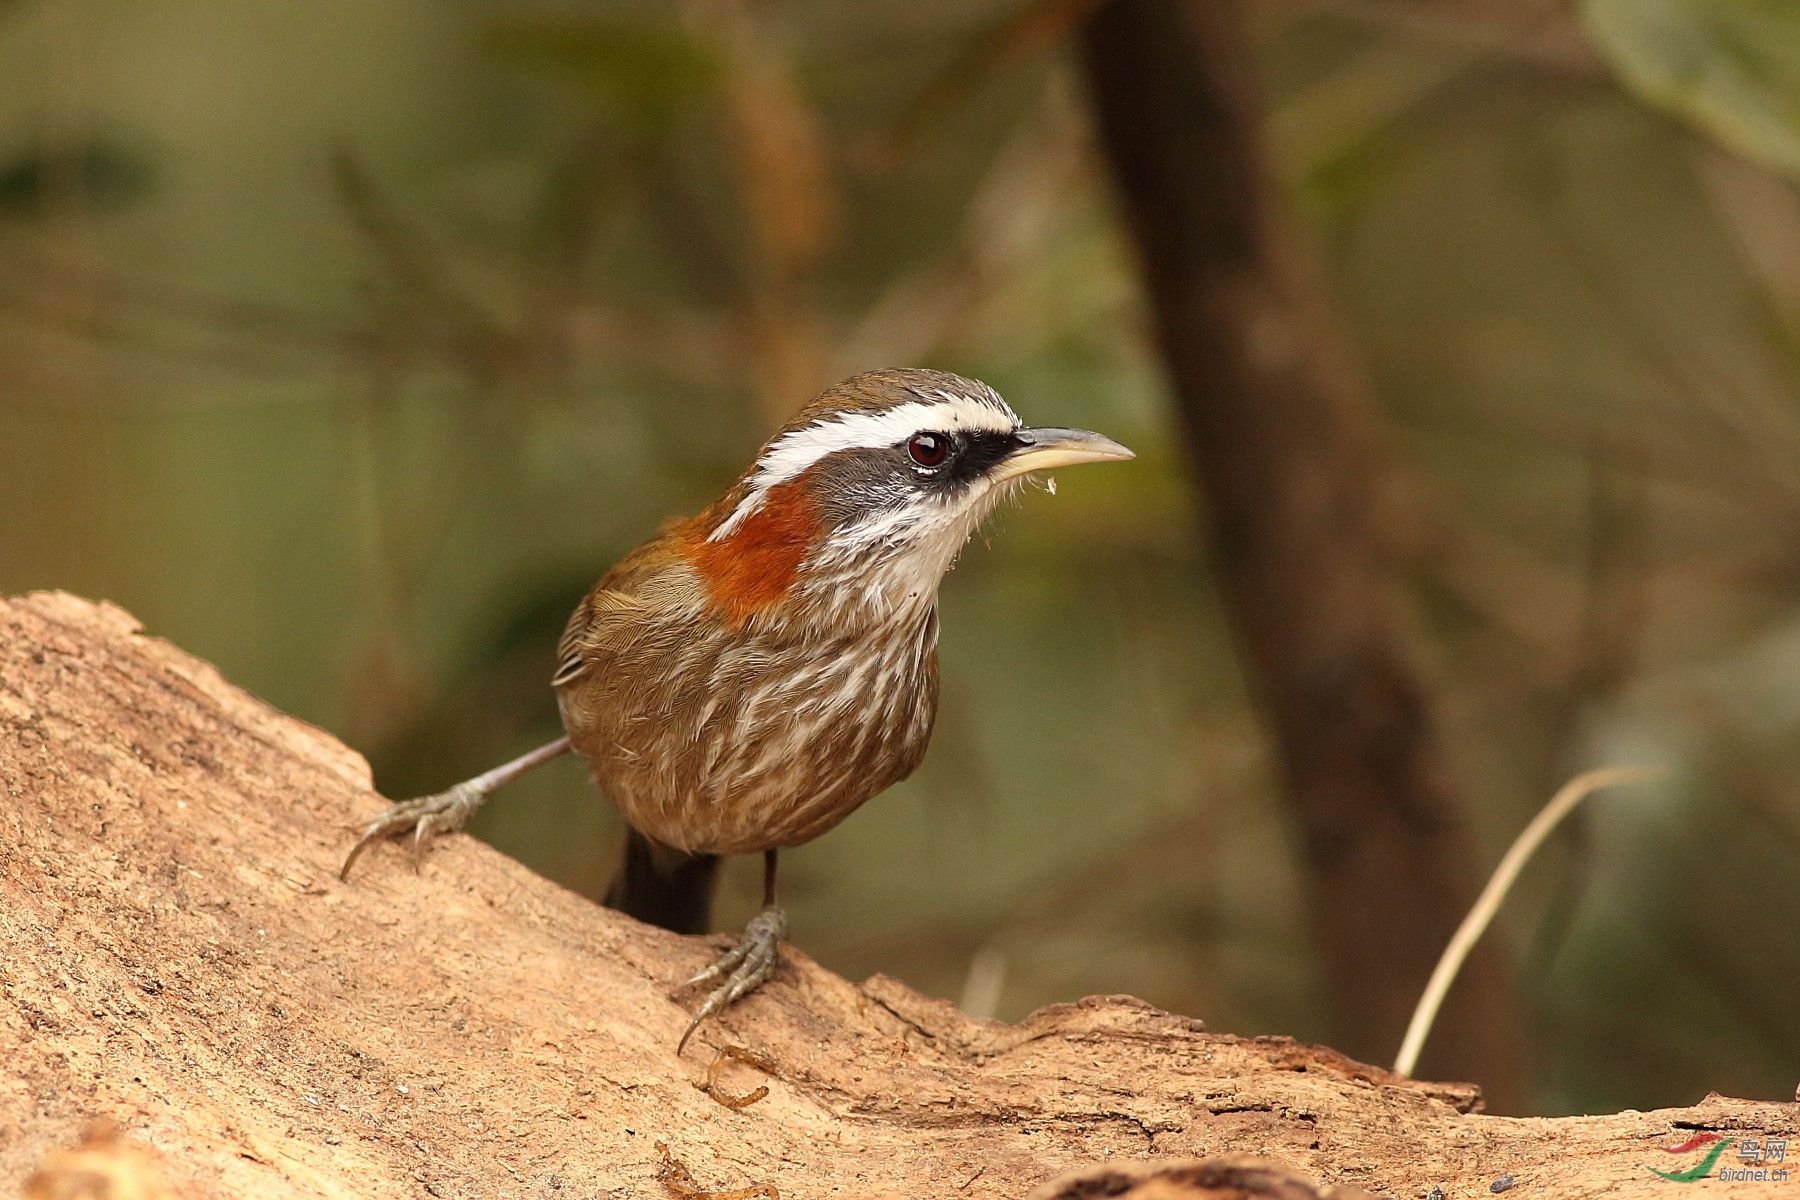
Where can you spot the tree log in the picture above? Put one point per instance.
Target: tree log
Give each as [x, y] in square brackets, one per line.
[178, 960]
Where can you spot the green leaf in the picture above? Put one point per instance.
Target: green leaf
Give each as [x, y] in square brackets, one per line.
[1732, 67]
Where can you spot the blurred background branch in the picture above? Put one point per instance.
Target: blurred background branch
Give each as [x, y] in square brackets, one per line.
[1284, 434]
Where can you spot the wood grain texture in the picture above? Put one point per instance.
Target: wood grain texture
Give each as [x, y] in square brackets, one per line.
[177, 956]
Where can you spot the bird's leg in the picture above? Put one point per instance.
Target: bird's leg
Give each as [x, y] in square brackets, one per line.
[746, 965]
[448, 811]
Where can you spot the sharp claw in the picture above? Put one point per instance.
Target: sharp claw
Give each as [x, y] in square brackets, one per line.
[750, 974]
[362, 843]
[443, 813]
[689, 1031]
[726, 962]
[749, 963]
[420, 832]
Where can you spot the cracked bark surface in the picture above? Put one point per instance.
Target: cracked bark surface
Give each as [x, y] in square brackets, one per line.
[177, 956]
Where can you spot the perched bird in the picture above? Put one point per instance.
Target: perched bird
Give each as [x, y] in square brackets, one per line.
[747, 678]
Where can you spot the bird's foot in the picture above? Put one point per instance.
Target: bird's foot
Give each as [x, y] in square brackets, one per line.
[744, 967]
[445, 812]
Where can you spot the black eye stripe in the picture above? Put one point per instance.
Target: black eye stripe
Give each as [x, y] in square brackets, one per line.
[855, 482]
[966, 455]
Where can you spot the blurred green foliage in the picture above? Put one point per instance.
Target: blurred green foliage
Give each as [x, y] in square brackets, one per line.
[1731, 66]
[347, 343]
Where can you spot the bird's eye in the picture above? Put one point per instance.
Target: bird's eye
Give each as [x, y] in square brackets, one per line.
[928, 449]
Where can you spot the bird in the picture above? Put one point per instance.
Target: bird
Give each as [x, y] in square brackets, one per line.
[750, 676]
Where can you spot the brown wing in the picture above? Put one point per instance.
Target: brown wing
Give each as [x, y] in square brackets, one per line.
[601, 615]
[615, 610]
[570, 661]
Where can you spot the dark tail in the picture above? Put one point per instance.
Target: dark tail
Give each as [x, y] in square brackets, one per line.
[662, 886]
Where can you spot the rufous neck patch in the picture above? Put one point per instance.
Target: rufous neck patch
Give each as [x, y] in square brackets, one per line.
[756, 564]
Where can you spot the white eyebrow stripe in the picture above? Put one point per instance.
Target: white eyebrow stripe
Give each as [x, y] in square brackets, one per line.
[792, 453]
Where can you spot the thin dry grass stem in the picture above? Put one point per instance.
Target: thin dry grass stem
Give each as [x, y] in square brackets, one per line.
[1493, 895]
[985, 983]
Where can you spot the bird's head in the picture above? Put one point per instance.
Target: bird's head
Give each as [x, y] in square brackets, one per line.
[866, 496]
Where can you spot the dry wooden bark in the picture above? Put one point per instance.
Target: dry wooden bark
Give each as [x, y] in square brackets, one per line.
[177, 956]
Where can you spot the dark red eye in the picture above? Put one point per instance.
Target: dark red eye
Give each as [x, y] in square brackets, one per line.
[928, 449]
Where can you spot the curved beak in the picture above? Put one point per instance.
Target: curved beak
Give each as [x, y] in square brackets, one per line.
[1042, 449]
